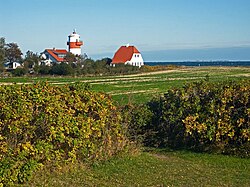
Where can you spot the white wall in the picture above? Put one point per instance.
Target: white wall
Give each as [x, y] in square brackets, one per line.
[136, 60]
[75, 51]
[74, 37]
[16, 65]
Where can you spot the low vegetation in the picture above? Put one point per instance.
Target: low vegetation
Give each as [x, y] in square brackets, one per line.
[42, 125]
[200, 116]
[159, 167]
[76, 136]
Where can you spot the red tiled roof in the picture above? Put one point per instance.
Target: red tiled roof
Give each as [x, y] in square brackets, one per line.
[55, 52]
[124, 54]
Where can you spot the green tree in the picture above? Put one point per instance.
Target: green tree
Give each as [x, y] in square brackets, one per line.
[100, 66]
[13, 53]
[31, 60]
[43, 69]
[70, 58]
[107, 60]
[18, 72]
[62, 69]
[2, 53]
[81, 59]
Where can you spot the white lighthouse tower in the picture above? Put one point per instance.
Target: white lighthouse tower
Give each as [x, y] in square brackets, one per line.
[74, 43]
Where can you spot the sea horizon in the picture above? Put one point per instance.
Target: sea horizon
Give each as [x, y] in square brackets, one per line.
[201, 63]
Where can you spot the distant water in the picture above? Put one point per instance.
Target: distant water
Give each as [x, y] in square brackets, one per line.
[201, 63]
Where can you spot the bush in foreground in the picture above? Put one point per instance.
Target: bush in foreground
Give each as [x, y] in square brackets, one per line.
[135, 119]
[204, 116]
[201, 116]
[43, 124]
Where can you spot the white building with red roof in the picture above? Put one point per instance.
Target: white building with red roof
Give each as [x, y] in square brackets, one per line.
[52, 56]
[128, 55]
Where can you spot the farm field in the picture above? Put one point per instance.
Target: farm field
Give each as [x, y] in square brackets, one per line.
[153, 168]
[140, 88]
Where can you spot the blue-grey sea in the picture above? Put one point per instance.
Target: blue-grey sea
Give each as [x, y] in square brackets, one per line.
[201, 63]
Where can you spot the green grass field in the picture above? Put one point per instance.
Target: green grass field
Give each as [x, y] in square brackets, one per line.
[140, 88]
[154, 168]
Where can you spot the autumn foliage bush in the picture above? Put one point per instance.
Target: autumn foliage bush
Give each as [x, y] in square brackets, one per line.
[203, 116]
[44, 124]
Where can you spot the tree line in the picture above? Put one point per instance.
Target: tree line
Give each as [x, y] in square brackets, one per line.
[72, 65]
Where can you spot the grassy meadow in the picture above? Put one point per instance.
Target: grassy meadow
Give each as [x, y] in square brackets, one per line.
[153, 168]
[140, 88]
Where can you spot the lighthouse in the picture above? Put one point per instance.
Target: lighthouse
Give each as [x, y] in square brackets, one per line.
[74, 43]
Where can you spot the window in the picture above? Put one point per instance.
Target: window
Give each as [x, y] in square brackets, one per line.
[61, 55]
[138, 55]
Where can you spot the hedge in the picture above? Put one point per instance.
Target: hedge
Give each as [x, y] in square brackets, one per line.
[203, 116]
[44, 124]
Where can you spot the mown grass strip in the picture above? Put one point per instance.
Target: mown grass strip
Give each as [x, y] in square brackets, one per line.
[155, 168]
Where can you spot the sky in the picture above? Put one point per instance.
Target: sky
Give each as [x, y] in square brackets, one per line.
[162, 30]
